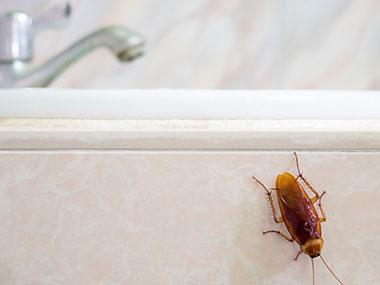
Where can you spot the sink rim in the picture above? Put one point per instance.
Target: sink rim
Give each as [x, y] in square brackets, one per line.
[188, 104]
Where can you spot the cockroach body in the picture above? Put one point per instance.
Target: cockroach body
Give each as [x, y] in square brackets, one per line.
[299, 214]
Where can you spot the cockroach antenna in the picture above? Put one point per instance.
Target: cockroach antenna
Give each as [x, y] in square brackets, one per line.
[313, 270]
[328, 267]
[299, 214]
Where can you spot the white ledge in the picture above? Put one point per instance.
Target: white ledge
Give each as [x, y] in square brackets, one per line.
[189, 104]
[189, 120]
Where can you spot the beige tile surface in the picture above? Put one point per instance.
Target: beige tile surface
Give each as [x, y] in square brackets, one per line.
[111, 217]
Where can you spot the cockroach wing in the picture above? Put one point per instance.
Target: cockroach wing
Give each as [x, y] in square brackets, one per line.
[299, 214]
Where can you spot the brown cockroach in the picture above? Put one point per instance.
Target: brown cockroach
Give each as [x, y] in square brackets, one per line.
[299, 215]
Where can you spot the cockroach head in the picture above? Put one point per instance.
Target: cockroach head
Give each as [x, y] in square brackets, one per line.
[312, 247]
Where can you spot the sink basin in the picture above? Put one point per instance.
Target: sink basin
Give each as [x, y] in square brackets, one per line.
[189, 104]
[189, 119]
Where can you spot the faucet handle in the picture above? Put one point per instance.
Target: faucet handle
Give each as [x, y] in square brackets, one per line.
[17, 31]
[55, 16]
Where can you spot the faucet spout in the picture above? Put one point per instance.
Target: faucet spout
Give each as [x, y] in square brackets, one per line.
[123, 43]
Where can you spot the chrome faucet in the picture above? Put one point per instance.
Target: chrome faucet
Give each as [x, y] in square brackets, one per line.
[16, 47]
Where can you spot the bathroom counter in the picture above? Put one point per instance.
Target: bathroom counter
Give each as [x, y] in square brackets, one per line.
[189, 119]
[190, 134]
[166, 197]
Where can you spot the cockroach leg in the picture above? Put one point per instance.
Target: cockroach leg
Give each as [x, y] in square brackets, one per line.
[277, 219]
[297, 164]
[314, 199]
[305, 181]
[323, 218]
[317, 197]
[298, 254]
[279, 233]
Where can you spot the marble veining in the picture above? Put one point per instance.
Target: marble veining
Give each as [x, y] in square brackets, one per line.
[240, 44]
[124, 217]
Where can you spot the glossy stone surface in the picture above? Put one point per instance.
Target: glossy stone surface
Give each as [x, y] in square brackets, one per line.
[124, 217]
[223, 43]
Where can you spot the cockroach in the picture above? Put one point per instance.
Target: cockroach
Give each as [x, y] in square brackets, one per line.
[299, 214]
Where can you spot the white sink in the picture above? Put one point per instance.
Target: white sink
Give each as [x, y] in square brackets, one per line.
[189, 104]
[189, 119]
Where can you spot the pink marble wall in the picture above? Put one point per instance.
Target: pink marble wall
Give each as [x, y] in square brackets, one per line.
[119, 217]
[240, 44]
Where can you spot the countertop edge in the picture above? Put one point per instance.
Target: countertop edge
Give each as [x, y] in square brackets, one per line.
[235, 134]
